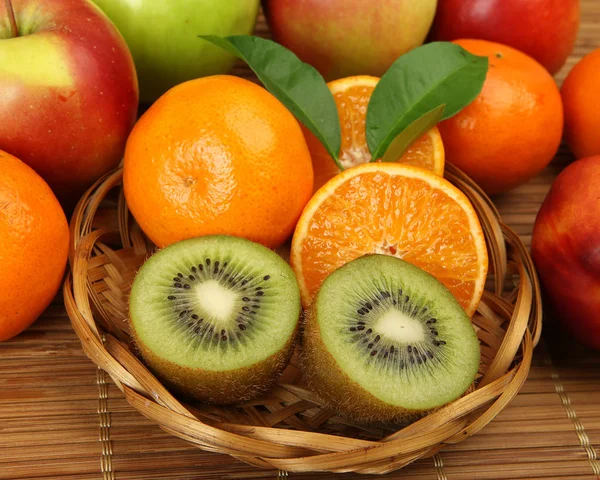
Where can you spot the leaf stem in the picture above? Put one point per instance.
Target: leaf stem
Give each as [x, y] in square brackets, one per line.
[14, 28]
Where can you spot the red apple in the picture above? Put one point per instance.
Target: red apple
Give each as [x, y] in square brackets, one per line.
[349, 37]
[566, 248]
[68, 91]
[544, 29]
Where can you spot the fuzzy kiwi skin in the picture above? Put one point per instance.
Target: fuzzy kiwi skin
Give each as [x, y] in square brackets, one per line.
[324, 377]
[338, 391]
[219, 387]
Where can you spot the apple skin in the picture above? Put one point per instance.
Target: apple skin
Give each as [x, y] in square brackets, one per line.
[341, 38]
[163, 37]
[544, 29]
[68, 92]
[566, 248]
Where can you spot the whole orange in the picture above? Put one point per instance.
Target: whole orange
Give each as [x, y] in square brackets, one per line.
[217, 155]
[512, 130]
[34, 245]
[581, 99]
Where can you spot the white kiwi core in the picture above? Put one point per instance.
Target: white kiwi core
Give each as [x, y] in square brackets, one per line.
[216, 300]
[398, 326]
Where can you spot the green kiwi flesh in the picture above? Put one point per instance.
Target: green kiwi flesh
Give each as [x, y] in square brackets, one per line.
[215, 317]
[385, 341]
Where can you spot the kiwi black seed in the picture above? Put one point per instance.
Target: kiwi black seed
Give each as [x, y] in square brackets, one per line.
[215, 317]
[385, 341]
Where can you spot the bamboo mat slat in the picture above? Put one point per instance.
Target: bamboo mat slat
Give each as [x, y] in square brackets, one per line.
[62, 418]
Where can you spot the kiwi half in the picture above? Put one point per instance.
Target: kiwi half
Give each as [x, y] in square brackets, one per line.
[215, 317]
[385, 341]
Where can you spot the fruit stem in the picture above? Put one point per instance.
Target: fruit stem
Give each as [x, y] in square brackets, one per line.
[11, 17]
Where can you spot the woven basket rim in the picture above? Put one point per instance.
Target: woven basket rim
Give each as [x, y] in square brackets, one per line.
[273, 447]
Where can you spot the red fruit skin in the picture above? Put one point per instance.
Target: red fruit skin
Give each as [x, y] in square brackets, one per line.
[71, 135]
[566, 248]
[544, 29]
[341, 38]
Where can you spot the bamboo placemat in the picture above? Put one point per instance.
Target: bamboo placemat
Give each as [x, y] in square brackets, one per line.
[62, 418]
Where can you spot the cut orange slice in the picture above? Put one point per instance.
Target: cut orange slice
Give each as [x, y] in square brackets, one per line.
[352, 97]
[398, 210]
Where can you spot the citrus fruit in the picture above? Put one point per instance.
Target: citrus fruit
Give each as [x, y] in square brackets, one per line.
[581, 99]
[34, 244]
[352, 97]
[393, 209]
[217, 155]
[512, 130]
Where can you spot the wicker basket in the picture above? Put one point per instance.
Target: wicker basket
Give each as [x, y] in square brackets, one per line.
[289, 429]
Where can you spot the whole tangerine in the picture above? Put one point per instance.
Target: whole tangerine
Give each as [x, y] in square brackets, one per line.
[217, 155]
[581, 98]
[34, 245]
[513, 129]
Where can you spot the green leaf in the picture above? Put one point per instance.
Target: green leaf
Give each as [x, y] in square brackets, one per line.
[413, 132]
[296, 84]
[439, 73]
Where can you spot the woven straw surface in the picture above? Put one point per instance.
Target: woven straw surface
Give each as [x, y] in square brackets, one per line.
[52, 399]
[289, 428]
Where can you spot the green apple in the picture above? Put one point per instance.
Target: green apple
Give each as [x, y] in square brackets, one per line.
[163, 37]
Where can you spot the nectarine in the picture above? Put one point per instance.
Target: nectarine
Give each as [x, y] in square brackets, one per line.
[566, 248]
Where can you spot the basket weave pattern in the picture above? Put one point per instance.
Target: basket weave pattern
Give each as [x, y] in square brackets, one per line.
[289, 428]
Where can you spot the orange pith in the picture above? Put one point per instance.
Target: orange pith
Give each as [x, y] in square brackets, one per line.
[398, 210]
[352, 97]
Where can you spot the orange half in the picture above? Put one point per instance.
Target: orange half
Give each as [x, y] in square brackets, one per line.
[352, 97]
[398, 210]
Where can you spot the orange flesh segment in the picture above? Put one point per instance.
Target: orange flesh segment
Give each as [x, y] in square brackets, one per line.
[406, 216]
[421, 154]
[352, 97]
[352, 106]
[352, 109]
